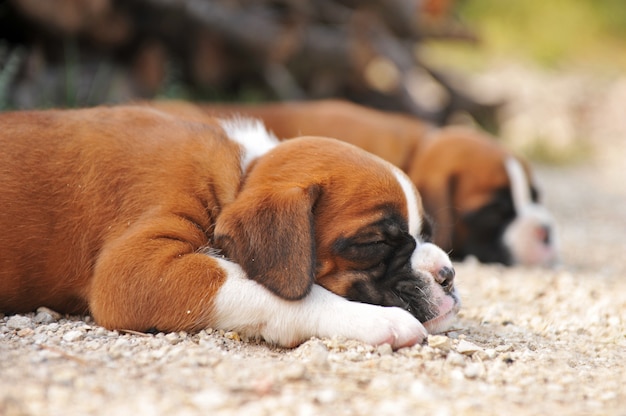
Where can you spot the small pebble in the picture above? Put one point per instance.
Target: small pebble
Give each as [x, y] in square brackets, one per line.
[473, 370]
[326, 396]
[25, 332]
[455, 359]
[480, 355]
[491, 353]
[296, 371]
[232, 335]
[428, 353]
[100, 332]
[53, 327]
[210, 398]
[54, 314]
[72, 336]
[440, 342]
[173, 338]
[43, 318]
[19, 322]
[419, 390]
[318, 353]
[467, 348]
[384, 349]
[504, 348]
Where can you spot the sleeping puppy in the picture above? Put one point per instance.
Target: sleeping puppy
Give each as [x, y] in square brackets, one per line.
[482, 198]
[151, 222]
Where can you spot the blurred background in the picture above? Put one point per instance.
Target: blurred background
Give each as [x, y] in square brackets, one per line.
[546, 77]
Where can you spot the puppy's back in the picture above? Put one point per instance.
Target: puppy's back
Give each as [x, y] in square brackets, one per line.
[70, 180]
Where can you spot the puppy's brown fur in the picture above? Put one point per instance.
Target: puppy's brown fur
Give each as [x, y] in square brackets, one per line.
[95, 226]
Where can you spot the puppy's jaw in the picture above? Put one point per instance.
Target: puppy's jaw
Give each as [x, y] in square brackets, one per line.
[530, 237]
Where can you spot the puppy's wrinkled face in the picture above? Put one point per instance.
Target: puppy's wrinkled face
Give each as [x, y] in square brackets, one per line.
[483, 200]
[511, 226]
[371, 246]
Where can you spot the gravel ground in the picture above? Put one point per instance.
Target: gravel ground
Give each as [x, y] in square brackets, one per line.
[528, 341]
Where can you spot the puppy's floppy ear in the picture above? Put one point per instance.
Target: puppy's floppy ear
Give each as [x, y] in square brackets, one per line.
[269, 232]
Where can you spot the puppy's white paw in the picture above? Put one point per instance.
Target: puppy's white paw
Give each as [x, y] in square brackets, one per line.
[378, 325]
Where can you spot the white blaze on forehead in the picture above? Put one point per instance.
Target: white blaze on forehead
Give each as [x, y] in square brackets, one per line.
[410, 193]
[526, 236]
[252, 135]
[520, 188]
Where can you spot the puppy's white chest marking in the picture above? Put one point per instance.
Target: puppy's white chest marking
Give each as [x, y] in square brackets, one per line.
[252, 135]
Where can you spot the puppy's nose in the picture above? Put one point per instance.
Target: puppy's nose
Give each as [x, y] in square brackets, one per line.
[544, 234]
[445, 277]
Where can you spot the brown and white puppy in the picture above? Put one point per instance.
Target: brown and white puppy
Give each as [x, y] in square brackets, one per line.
[151, 222]
[483, 199]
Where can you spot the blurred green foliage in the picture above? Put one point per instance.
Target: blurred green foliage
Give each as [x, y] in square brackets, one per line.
[551, 32]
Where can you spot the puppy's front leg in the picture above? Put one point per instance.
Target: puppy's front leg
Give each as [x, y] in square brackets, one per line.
[244, 305]
[153, 277]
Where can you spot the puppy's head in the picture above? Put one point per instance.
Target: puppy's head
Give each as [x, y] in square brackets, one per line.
[316, 210]
[483, 200]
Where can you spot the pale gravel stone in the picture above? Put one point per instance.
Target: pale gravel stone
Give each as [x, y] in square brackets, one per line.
[467, 348]
[504, 348]
[232, 335]
[43, 318]
[420, 391]
[72, 336]
[317, 353]
[473, 370]
[53, 327]
[173, 338]
[25, 332]
[384, 349]
[456, 359]
[440, 342]
[19, 322]
[51, 313]
[491, 353]
[296, 371]
[326, 396]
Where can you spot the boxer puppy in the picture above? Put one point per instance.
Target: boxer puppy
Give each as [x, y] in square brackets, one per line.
[483, 199]
[151, 222]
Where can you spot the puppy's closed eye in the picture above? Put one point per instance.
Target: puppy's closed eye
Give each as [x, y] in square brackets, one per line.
[366, 254]
[388, 246]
